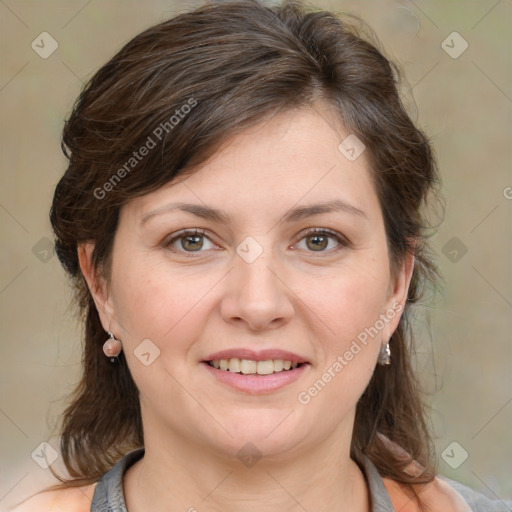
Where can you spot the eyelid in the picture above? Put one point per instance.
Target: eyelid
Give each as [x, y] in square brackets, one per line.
[341, 239]
[169, 240]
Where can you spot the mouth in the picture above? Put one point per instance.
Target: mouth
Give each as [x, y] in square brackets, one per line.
[255, 373]
[252, 367]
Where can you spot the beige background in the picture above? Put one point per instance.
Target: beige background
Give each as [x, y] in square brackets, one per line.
[463, 103]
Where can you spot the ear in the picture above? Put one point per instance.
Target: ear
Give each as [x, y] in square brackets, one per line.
[97, 285]
[398, 291]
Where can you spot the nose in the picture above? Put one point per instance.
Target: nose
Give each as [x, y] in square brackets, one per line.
[257, 296]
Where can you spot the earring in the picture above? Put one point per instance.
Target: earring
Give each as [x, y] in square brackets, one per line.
[112, 347]
[384, 358]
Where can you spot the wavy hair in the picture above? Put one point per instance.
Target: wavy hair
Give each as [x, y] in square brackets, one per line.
[236, 63]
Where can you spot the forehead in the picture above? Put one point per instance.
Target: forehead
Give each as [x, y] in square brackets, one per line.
[290, 159]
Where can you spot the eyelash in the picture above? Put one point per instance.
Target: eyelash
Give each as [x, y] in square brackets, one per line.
[342, 241]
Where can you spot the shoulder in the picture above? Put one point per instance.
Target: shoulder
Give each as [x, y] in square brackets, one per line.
[71, 499]
[441, 494]
[478, 501]
[436, 495]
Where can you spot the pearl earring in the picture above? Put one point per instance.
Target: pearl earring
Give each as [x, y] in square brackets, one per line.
[112, 347]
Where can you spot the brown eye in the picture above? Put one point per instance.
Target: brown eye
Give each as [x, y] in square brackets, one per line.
[192, 242]
[317, 242]
[189, 241]
[321, 240]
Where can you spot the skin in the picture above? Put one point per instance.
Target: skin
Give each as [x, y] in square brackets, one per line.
[292, 297]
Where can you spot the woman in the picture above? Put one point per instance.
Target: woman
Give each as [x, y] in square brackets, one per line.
[242, 216]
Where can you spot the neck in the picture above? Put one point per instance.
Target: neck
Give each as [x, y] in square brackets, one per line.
[179, 477]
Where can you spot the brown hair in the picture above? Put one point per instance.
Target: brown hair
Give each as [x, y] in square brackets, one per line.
[188, 84]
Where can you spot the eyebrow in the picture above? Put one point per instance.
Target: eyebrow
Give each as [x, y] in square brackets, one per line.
[294, 215]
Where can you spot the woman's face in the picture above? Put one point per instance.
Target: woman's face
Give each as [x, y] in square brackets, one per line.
[273, 252]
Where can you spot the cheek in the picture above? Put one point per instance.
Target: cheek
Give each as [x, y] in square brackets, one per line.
[347, 301]
[153, 303]
[168, 306]
[347, 344]
[148, 302]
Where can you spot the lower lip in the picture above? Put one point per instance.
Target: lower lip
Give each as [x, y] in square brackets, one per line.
[257, 384]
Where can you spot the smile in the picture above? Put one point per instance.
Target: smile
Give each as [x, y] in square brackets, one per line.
[251, 367]
[255, 377]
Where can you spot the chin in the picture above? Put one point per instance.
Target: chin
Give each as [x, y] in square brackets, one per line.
[262, 432]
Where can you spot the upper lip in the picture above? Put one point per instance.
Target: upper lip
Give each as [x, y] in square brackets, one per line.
[253, 355]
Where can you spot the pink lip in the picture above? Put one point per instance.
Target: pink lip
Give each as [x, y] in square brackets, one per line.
[256, 384]
[263, 355]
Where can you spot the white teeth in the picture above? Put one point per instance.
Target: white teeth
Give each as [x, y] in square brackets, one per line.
[265, 367]
[234, 364]
[247, 366]
[278, 365]
[250, 367]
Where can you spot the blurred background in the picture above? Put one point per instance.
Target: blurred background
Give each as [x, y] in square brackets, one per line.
[456, 57]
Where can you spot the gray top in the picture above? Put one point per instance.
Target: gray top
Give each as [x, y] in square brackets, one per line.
[109, 495]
